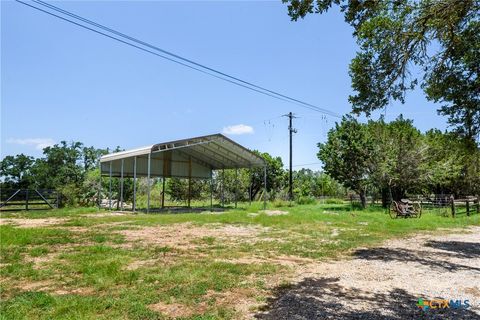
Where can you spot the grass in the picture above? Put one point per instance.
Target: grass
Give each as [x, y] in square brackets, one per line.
[86, 268]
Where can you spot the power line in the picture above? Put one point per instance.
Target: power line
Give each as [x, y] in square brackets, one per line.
[186, 62]
[306, 164]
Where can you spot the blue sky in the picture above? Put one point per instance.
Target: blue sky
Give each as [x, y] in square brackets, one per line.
[60, 82]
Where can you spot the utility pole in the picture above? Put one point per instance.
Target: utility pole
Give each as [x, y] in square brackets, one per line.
[291, 131]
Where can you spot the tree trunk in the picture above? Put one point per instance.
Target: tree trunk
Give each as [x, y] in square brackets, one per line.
[363, 199]
[385, 197]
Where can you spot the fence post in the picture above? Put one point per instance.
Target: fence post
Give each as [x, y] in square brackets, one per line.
[478, 204]
[453, 206]
[26, 199]
[468, 207]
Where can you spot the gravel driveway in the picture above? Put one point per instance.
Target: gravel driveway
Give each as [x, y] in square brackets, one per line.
[386, 282]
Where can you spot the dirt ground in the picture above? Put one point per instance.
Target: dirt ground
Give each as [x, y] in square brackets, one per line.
[383, 282]
[386, 282]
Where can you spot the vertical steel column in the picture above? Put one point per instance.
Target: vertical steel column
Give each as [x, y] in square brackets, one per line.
[189, 180]
[121, 186]
[110, 187]
[236, 187]
[211, 189]
[250, 186]
[264, 187]
[222, 196]
[148, 182]
[163, 192]
[134, 206]
[100, 186]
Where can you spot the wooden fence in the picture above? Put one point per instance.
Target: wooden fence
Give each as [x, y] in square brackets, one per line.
[472, 204]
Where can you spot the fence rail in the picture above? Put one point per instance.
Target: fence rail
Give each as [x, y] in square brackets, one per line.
[28, 199]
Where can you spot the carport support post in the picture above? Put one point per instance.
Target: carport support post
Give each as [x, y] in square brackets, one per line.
[189, 180]
[211, 190]
[250, 186]
[134, 206]
[110, 187]
[264, 187]
[221, 189]
[163, 192]
[148, 182]
[121, 187]
[236, 187]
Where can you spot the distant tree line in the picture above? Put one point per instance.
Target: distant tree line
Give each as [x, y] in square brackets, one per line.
[72, 169]
[395, 159]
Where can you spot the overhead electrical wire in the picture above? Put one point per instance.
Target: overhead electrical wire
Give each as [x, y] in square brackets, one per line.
[305, 164]
[170, 56]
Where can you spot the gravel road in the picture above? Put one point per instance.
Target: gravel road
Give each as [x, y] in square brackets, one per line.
[386, 282]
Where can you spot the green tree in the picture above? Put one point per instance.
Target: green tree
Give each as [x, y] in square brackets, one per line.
[439, 40]
[177, 189]
[275, 176]
[452, 164]
[396, 159]
[16, 171]
[346, 155]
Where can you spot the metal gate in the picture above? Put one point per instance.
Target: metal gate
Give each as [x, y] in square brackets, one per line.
[28, 199]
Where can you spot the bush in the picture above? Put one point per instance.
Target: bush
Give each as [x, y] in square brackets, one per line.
[334, 201]
[69, 195]
[306, 200]
[281, 203]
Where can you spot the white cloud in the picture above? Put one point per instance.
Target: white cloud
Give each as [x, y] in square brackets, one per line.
[238, 129]
[38, 143]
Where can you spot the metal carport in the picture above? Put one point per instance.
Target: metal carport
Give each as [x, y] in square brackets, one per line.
[188, 158]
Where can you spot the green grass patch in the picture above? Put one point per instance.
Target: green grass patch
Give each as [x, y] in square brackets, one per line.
[123, 279]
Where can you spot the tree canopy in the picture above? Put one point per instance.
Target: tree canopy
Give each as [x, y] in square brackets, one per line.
[346, 153]
[431, 43]
[396, 159]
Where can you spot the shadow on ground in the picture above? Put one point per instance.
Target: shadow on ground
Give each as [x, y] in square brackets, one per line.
[458, 248]
[427, 258]
[324, 298]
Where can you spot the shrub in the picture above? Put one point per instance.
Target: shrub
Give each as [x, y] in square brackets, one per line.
[334, 201]
[306, 200]
[281, 203]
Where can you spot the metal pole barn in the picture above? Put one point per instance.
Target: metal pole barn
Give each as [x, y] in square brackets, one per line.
[121, 187]
[134, 206]
[148, 182]
[110, 191]
[200, 154]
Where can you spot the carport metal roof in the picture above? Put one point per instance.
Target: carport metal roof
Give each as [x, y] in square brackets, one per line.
[193, 157]
[187, 158]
